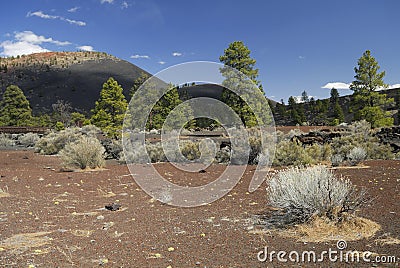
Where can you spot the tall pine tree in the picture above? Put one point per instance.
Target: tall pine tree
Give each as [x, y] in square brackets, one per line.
[368, 103]
[237, 56]
[110, 109]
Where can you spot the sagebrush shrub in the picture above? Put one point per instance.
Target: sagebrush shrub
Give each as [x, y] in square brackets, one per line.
[86, 152]
[156, 152]
[314, 191]
[336, 160]
[131, 153]
[356, 155]
[91, 130]
[374, 149]
[5, 140]
[56, 141]
[28, 139]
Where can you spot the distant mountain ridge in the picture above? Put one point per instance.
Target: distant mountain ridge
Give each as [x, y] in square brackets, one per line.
[75, 77]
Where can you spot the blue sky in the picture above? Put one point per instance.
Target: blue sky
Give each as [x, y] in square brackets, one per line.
[298, 44]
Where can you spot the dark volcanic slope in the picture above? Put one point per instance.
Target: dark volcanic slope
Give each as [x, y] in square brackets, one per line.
[78, 82]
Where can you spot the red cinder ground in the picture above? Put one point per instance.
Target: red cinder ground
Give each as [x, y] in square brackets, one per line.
[64, 214]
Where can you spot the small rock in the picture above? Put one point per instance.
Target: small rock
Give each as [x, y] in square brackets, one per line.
[202, 171]
[100, 217]
[113, 206]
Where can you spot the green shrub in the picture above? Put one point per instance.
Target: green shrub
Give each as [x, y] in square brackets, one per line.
[290, 153]
[320, 153]
[190, 150]
[59, 126]
[304, 193]
[374, 149]
[86, 152]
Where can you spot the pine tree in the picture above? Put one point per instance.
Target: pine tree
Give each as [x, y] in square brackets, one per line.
[138, 82]
[294, 113]
[304, 96]
[165, 106]
[369, 104]
[14, 108]
[110, 109]
[155, 107]
[337, 111]
[237, 56]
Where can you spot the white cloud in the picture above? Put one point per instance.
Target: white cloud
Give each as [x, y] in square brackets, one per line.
[42, 15]
[341, 85]
[337, 85]
[76, 22]
[302, 57]
[394, 86]
[137, 56]
[107, 1]
[299, 99]
[27, 42]
[124, 5]
[85, 48]
[74, 9]
[162, 62]
[176, 54]
[30, 37]
[20, 48]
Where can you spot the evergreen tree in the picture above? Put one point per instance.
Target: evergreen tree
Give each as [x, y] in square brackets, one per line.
[138, 82]
[164, 107]
[337, 111]
[294, 113]
[304, 96]
[110, 108]
[369, 104]
[334, 95]
[237, 56]
[142, 104]
[14, 108]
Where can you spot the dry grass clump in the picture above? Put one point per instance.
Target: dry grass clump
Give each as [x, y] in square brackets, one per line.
[322, 229]
[22, 242]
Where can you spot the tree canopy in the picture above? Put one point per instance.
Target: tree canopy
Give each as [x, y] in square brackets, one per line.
[110, 109]
[237, 56]
[14, 108]
[368, 103]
